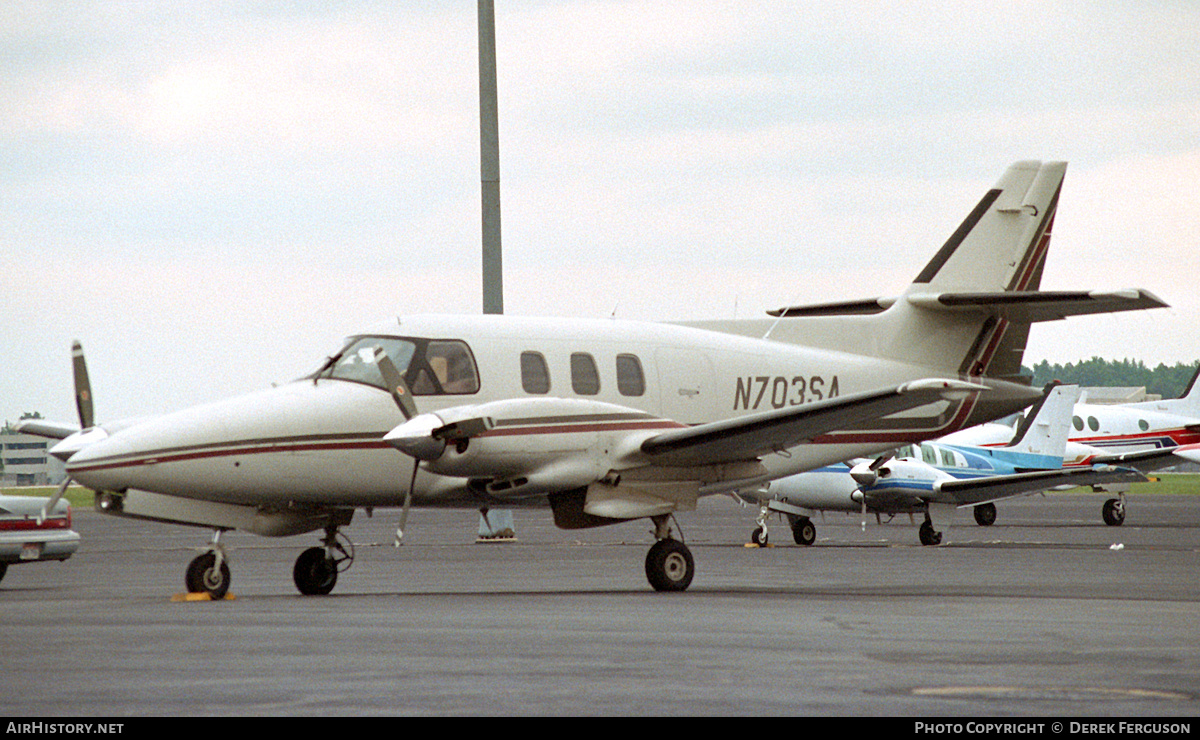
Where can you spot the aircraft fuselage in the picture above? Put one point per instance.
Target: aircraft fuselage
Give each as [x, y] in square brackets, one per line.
[319, 440]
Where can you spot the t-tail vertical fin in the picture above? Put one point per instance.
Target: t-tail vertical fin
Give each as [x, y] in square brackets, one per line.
[1047, 425]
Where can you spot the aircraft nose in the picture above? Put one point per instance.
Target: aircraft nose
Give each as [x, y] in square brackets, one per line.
[864, 474]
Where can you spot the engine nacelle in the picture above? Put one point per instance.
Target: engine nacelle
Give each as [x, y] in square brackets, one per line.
[560, 442]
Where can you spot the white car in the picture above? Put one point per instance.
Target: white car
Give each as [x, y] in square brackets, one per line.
[24, 540]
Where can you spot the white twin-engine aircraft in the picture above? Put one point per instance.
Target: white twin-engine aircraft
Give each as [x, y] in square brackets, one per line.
[601, 421]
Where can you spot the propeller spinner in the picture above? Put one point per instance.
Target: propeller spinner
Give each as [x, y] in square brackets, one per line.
[866, 475]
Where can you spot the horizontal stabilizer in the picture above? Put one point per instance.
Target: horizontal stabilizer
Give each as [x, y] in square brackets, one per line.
[1033, 306]
[1017, 306]
[48, 429]
[974, 491]
[748, 437]
[864, 307]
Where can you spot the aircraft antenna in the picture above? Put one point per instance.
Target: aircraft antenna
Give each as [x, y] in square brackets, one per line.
[779, 318]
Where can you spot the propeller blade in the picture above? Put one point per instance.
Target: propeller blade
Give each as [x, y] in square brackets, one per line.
[50, 504]
[83, 388]
[395, 383]
[864, 511]
[407, 503]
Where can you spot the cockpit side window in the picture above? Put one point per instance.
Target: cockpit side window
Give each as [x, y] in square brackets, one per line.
[356, 362]
[430, 367]
[452, 366]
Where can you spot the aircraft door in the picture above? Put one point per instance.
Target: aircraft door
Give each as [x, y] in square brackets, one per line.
[686, 385]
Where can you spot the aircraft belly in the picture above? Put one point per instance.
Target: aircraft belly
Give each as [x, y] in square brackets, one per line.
[358, 478]
[826, 490]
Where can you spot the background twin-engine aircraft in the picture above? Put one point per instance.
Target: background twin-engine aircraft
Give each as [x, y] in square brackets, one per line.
[936, 478]
[600, 421]
[1147, 435]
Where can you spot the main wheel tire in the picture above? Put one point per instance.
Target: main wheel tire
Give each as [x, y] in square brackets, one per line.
[759, 537]
[669, 566]
[315, 573]
[1113, 512]
[204, 577]
[929, 535]
[985, 515]
[804, 532]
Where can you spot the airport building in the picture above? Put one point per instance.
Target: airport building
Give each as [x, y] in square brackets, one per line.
[26, 461]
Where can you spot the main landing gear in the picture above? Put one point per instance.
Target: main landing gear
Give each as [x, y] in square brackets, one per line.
[928, 535]
[669, 564]
[317, 568]
[985, 514]
[1113, 511]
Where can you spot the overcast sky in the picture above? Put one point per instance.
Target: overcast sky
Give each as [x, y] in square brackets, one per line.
[210, 196]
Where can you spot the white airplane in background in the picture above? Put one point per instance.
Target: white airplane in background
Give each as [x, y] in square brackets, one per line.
[601, 421]
[936, 478]
[1147, 435]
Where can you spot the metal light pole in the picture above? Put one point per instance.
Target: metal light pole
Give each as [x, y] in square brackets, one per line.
[496, 525]
[489, 146]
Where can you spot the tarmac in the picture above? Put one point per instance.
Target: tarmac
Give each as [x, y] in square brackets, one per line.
[1048, 613]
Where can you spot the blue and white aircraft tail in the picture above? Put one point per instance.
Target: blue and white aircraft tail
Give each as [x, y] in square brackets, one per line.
[936, 478]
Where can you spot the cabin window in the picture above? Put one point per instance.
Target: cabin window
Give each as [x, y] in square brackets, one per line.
[1143, 425]
[585, 378]
[947, 459]
[906, 452]
[928, 455]
[631, 381]
[535, 374]
[1077, 423]
[1093, 424]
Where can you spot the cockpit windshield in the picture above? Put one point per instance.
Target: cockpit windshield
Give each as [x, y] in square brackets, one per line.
[429, 366]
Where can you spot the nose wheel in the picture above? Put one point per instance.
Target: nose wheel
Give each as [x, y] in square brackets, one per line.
[209, 572]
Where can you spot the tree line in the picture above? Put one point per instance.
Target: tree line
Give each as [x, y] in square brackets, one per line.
[1168, 381]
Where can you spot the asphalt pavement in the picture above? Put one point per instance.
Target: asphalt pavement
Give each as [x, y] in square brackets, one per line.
[1047, 613]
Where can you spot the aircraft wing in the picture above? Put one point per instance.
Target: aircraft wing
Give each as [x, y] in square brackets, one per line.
[1191, 453]
[1148, 460]
[975, 491]
[754, 435]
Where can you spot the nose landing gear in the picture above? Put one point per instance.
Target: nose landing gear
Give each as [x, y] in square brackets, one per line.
[208, 572]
